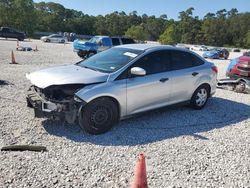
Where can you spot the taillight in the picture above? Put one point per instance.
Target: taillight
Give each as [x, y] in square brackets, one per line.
[215, 69]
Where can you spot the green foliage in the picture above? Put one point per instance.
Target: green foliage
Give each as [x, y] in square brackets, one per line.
[169, 36]
[136, 32]
[222, 28]
[18, 13]
[247, 40]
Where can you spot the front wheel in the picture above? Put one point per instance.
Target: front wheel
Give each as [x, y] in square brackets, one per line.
[82, 54]
[91, 54]
[200, 97]
[98, 116]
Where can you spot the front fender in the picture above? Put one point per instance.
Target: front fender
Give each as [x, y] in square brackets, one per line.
[115, 90]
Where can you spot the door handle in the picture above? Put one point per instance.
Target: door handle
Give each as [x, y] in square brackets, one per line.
[164, 79]
[195, 73]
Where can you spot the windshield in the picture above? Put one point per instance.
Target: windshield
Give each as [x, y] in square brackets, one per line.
[110, 60]
[95, 40]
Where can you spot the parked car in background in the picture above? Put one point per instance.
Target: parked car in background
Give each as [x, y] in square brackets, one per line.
[239, 67]
[216, 54]
[54, 38]
[246, 53]
[119, 82]
[182, 46]
[203, 48]
[199, 48]
[85, 49]
[7, 32]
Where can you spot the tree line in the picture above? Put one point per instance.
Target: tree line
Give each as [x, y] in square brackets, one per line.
[223, 28]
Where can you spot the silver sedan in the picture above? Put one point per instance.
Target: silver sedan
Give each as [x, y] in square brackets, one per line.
[54, 38]
[121, 82]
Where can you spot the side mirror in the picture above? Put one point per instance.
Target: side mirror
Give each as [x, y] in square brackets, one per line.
[137, 71]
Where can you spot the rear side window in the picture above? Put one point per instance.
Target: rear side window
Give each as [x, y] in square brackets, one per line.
[127, 41]
[115, 41]
[196, 60]
[182, 60]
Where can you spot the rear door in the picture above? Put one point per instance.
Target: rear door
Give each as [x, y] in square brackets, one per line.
[152, 90]
[186, 71]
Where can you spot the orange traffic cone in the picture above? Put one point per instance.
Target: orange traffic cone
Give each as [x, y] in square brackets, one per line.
[140, 176]
[13, 60]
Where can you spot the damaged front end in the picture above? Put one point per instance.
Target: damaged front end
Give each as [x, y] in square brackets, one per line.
[56, 101]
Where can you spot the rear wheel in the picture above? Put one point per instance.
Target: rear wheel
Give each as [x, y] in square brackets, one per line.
[47, 40]
[200, 97]
[98, 116]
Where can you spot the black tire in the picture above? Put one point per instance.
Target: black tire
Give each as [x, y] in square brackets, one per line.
[20, 39]
[200, 97]
[98, 116]
[240, 87]
[47, 40]
[91, 54]
[81, 54]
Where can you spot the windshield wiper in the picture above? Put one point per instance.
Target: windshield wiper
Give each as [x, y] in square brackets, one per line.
[91, 68]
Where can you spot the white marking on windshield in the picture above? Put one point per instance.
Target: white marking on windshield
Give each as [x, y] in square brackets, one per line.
[130, 54]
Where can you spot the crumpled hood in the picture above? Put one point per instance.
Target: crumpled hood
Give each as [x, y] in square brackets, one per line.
[65, 74]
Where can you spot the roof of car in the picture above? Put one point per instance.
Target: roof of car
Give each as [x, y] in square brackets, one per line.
[148, 46]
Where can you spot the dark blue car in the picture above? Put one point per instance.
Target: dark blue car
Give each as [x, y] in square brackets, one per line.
[216, 54]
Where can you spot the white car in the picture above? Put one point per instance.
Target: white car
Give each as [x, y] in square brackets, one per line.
[53, 38]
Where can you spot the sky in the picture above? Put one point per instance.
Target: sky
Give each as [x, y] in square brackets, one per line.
[153, 7]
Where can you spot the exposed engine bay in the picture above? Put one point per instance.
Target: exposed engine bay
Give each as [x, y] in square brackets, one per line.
[56, 101]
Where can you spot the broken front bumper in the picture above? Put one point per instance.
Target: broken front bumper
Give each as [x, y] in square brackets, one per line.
[62, 110]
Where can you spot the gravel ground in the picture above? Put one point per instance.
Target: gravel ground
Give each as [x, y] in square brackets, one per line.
[183, 147]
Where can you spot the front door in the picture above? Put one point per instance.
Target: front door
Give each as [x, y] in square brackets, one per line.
[152, 90]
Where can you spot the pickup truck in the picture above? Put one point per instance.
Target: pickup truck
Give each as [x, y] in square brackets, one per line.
[85, 49]
[6, 32]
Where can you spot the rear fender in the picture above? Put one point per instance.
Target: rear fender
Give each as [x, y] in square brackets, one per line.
[206, 79]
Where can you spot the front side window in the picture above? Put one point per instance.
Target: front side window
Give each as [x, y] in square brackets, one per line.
[110, 60]
[95, 40]
[155, 62]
